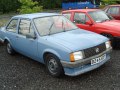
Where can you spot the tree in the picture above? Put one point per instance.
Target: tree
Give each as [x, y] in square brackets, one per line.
[108, 2]
[28, 6]
[9, 5]
[50, 4]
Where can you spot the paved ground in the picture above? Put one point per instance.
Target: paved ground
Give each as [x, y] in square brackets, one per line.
[21, 73]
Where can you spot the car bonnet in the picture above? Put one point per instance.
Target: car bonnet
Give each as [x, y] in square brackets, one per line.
[77, 39]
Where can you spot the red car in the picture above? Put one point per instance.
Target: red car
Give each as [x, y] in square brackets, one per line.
[96, 21]
[113, 10]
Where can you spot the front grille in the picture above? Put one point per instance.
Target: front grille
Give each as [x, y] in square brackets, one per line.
[94, 50]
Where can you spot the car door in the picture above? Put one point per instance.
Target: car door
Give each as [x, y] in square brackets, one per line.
[115, 12]
[26, 41]
[80, 20]
[11, 32]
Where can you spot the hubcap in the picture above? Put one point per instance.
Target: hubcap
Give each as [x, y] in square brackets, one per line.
[52, 66]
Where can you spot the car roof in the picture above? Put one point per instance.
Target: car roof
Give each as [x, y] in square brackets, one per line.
[80, 10]
[35, 15]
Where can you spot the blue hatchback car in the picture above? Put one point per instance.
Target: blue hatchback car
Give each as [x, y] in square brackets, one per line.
[56, 42]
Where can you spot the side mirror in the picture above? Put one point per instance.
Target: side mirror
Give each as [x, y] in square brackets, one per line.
[31, 36]
[88, 23]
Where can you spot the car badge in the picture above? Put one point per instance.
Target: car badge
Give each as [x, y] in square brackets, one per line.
[97, 50]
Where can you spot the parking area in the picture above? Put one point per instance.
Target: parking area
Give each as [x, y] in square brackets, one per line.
[21, 73]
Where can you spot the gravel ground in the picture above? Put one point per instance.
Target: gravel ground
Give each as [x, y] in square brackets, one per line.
[21, 73]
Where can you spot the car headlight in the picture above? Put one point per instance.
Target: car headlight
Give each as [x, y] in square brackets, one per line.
[108, 44]
[76, 56]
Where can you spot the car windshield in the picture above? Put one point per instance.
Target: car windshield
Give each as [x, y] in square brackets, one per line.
[99, 16]
[53, 24]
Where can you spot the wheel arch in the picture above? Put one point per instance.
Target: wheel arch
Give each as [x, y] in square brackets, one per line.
[50, 52]
[6, 40]
[106, 33]
[110, 35]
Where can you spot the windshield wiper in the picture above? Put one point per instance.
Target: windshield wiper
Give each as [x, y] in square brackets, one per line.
[50, 28]
[63, 26]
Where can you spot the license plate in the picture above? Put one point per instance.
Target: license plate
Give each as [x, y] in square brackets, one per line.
[98, 59]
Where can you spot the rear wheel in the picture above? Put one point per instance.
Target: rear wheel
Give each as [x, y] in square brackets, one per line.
[9, 49]
[53, 65]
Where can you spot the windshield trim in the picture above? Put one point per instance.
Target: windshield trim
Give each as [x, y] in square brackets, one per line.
[53, 33]
[97, 11]
[42, 17]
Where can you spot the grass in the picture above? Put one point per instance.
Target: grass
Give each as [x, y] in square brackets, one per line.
[4, 18]
[3, 21]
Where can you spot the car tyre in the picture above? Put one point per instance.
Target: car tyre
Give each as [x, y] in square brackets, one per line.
[53, 65]
[9, 48]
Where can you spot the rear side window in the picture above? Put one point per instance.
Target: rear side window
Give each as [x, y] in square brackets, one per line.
[67, 15]
[25, 27]
[113, 10]
[80, 18]
[12, 25]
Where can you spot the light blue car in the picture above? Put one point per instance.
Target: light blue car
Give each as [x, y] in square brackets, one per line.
[56, 42]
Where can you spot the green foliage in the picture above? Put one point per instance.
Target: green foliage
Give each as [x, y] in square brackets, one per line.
[50, 4]
[28, 6]
[109, 2]
[102, 6]
[8, 5]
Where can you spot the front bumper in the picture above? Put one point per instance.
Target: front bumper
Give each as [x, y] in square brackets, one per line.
[82, 66]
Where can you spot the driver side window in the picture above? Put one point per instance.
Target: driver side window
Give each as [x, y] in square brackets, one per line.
[80, 18]
[67, 15]
[25, 27]
[12, 26]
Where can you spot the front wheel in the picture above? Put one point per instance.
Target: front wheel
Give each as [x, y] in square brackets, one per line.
[53, 65]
